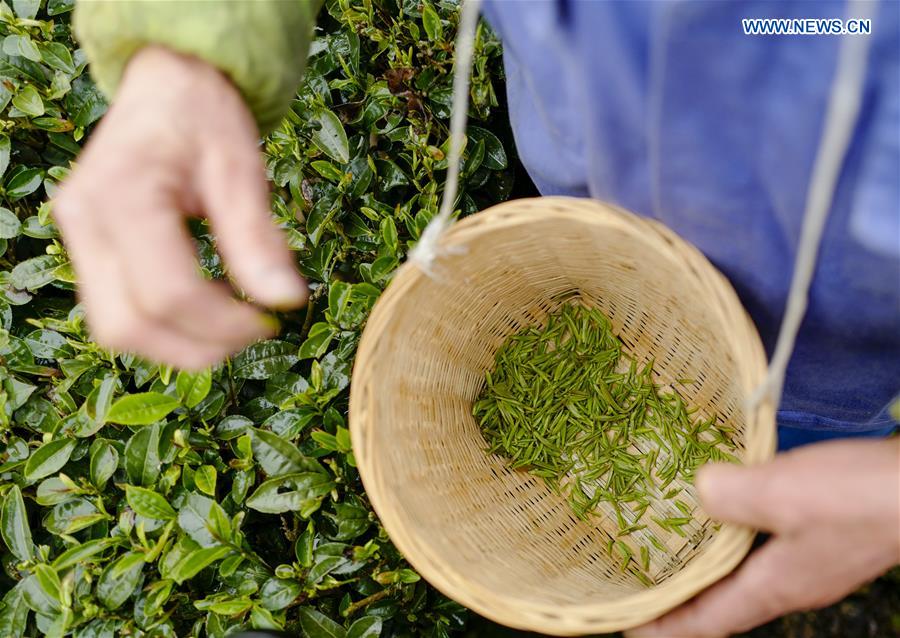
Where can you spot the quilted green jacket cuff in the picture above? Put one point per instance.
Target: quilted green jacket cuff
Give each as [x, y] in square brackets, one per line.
[260, 45]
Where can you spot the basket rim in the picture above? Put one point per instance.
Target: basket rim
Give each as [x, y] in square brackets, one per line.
[724, 551]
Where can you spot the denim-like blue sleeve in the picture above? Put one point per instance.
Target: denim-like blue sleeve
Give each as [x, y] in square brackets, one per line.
[668, 109]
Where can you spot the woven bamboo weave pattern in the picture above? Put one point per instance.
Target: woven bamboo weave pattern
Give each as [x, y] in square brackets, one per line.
[498, 540]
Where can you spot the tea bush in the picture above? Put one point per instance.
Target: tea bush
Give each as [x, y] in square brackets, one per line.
[136, 500]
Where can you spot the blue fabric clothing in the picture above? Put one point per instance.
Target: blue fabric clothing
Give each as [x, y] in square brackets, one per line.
[669, 110]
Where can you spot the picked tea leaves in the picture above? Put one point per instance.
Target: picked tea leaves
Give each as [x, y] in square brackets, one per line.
[565, 402]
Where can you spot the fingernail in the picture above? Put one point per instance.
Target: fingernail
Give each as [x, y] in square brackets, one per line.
[283, 288]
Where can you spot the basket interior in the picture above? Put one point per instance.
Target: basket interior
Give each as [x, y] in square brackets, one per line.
[463, 511]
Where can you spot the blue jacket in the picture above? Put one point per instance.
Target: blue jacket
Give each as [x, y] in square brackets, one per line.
[669, 110]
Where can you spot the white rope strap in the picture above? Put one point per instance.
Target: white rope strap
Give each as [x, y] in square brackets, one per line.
[840, 121]
[427, 250]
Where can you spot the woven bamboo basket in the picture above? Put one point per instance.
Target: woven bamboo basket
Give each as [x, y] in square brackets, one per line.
[499, 541]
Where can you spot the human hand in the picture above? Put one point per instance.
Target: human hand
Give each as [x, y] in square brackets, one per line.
[177, 141]
[834, 513]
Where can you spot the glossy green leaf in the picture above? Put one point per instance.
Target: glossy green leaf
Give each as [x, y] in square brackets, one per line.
[191, 564]
[329, 135]
[103, 462]
[79, 554]
[201, 519]
[14, 525]
[9, 223]
[29, 101]
[23, 181]
[54, 490]
[277, 456]
[233, 426]
[192, 387]
[72, 515]
[141, 409]
[264, 359]
[142, 456]
[205, 479]
[21, 45]
[5, 149]
[278, 593]
[118, 581]
[57, 56]
[48, 581]
[13, 612]
[365, 627]
[49, 458]
[26, 9]
[47, 344]
[148, 503]
[318, 625]
[35, 272]
[291, 492]
[84, 103]
[432, 22]
[318, 340]
[494, 155]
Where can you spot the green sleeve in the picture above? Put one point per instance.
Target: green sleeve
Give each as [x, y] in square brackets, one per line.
[260, 45]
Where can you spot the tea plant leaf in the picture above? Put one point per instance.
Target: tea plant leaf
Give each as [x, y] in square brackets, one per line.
[35, 272]
[316, 344]
[141, 409]
[329, 135]
[80, 553]
[13, 612]
[57, 56]
[29, 101]
[494, 155]
[318, 625]
[142, 456]
[278, 593]
[85, 103]
[277, 456]
[5, 148]
[21, 45]
[23, 181]
[14, 525]
[119, 579]
[193, 387]
[103, 463]
[26, 9]
[432, 22]
[205, 479]
[191, 564]
[201, 519]
[264, 359]
[302, 491]
[365, 627]
[148, 503]
[49, 458]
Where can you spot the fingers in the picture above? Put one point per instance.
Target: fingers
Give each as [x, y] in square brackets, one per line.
[158, 260]
[233, 189]
[113, 320]
[827, 482]
[755, 496]
[142, 290]
[755, 594]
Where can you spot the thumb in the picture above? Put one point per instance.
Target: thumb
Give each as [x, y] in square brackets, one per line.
[235, 196]
[758, 496]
